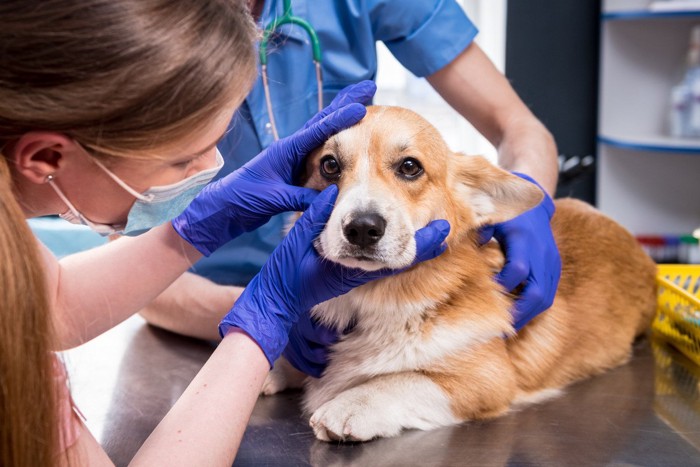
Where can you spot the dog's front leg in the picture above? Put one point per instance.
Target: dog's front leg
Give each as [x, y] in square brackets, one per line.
[382, 407]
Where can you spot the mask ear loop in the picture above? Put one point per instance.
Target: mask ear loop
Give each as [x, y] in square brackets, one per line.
[101, 229]
[50, 180]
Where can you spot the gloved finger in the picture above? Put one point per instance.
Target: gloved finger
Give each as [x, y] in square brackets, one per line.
[312, 222]
[361, 93]
[517, 266]
[430, 240]
[486, 234]
[555, 275]
[430, 243]
[529, 304]
[292, 198]
[305, 141]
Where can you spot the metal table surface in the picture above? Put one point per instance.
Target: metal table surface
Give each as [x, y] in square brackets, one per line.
[645, 413]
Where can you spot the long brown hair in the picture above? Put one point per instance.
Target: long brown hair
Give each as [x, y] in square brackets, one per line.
[122, 78]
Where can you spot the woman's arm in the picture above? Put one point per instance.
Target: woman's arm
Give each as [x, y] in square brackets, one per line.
[206, 424]
[479, 92]
[92, 291]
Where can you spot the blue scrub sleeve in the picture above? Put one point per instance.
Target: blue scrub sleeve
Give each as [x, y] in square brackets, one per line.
[424, 35]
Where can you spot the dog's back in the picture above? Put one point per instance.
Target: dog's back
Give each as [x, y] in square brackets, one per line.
[606, 297]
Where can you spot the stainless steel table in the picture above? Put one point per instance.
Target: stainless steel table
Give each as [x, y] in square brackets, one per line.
[644, 413]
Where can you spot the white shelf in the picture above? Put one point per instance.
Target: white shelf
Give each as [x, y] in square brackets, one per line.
[647, 180]
[649, 192]
[630, 9]
[640, 62]
[653, 143]
[649, 14]
[681, 6]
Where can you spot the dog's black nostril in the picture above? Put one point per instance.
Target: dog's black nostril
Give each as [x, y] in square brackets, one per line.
[365, 229]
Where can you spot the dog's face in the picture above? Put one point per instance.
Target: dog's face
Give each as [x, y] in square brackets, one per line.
[395, 174]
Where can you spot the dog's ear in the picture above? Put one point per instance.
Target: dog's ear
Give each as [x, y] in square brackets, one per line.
[491, 193]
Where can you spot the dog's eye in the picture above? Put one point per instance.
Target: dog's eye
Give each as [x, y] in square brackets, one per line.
[330, 168]
[410, 168]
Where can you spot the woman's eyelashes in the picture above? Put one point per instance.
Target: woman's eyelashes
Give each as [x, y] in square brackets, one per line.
[187, 162]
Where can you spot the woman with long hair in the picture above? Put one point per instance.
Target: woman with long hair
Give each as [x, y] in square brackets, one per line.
[110, 111]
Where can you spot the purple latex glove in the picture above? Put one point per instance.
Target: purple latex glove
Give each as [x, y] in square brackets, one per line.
[307, 349]
[295, 278]
[360, 93]
[532, 258]
[247, 198]
[309, 340]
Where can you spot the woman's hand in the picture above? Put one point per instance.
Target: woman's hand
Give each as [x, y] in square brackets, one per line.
[296, 278]
[247, 198]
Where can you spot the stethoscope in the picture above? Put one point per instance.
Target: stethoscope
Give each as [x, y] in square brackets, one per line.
[289, 18]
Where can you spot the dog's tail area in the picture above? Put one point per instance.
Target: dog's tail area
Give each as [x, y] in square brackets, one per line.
[647, 293]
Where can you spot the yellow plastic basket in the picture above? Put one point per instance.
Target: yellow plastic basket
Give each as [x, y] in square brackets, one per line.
[678, 308]
[676, 397]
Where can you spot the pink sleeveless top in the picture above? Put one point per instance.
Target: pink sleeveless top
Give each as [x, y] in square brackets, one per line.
[69, 423]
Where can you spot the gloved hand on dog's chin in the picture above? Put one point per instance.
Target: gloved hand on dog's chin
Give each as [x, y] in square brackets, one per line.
[247, 198]
[532, 258]
[295, 278]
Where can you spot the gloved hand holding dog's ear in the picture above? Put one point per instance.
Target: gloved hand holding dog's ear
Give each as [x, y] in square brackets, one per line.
[295, 278]
[532, 258]
[247, 198]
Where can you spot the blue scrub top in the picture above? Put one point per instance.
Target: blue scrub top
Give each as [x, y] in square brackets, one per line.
[424, 35]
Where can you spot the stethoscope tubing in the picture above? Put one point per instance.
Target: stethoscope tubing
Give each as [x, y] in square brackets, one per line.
[289, 18]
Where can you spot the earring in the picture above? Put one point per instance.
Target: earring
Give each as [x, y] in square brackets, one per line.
[49, 178]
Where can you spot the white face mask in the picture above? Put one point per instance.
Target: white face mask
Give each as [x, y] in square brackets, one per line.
[153, 207]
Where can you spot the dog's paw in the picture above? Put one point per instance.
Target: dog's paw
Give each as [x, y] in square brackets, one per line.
[353, 416]
[282, 377]
[274, 382]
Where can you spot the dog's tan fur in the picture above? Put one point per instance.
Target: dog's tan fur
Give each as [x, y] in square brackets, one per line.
[606, 295]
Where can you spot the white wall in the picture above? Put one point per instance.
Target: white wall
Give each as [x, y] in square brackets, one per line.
[397, 86]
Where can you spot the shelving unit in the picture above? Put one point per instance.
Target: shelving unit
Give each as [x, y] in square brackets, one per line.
[647, 180]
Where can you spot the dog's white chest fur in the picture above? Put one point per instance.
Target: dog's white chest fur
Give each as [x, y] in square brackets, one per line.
[387, 338]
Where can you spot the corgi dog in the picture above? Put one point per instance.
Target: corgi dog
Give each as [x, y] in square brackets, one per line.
[434, 345]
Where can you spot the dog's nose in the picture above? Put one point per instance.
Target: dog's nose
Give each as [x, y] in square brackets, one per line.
[366, 229]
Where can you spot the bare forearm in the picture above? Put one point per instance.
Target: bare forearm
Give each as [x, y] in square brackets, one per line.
[206, 425]
[97, 289]
[192, 306]
[529, 148]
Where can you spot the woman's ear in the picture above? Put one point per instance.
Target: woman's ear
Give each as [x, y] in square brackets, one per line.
[38, 154]
[491, 193]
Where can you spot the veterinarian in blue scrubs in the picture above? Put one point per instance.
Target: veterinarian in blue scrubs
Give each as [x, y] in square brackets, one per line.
[432, 39]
